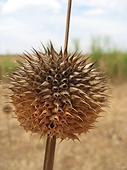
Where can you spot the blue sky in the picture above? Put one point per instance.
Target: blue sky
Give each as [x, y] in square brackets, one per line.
[26, 23]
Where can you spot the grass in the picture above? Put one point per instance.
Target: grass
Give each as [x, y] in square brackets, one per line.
[7, 64]
[114, 63]
[112, 60]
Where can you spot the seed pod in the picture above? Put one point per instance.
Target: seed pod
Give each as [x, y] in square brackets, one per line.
[7, 109]
[57, 95]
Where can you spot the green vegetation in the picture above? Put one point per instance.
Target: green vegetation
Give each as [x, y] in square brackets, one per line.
[7, 63]
[111, 60]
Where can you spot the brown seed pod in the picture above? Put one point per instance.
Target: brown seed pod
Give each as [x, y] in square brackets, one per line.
[7, 109]
[57, 95]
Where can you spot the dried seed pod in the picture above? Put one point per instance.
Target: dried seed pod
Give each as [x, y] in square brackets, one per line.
[7, 109]
[56, 94]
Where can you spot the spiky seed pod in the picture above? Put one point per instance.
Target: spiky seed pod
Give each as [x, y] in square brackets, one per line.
[57, 94]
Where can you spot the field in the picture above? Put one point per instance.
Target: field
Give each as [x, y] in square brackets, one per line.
[104, 148]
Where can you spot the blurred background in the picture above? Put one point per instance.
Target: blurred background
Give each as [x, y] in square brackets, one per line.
[97, 28]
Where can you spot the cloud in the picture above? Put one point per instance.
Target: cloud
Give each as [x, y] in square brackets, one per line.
[94, 12]
[13, 5]
[106, 5]
[27, 22]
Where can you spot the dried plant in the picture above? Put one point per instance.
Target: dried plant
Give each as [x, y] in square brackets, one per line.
[7, 109]
[57, 95]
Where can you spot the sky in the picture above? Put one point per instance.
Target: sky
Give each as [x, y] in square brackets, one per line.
[28, 23]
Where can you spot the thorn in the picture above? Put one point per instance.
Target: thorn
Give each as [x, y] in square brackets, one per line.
[65, 52]
[60, 53]
[44, 47]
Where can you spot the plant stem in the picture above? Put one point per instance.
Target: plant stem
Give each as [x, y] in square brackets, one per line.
[51, 141]
[49, 153]
[67, 26]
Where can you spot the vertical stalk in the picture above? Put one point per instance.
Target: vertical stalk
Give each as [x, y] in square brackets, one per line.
[49, 153]
[67, 26]
[51, 141]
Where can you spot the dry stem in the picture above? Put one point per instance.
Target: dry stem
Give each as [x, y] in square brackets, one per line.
[51, 141]
[49, 153]
[67, 26]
